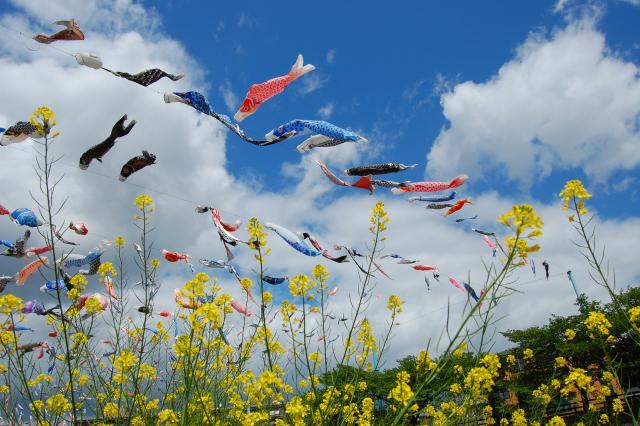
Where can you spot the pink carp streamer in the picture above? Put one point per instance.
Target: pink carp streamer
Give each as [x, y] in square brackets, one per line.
[455, 284]
[258, 93]
[241, 309]
[431, 186]
[107, 282]
[79, 228]
[492, 245]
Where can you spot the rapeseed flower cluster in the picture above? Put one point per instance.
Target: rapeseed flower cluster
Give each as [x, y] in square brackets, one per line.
[119, 242]
[526, 225]
[597, 324]
[574, 191]
[107, 268]
[43, 119]
[569, 334]
[378, 218]
[10, 303]
[300, 285]
[634, 316]
[577, 377]
[394, 304]
[144, 202]
[257, 234]
[402, 393]
[542, 395]
[58, 404]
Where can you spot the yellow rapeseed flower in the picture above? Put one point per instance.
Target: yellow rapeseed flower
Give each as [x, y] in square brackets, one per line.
[120, 242]
[320, 273]
[58, 404]
[634, 316]
[10, 303]
[402, 392]
[460, 350]
[479, 381]
[597, 323]
[618, 406]
[378, 218]
[43, 119]
[143, 201]
[574, 189]
[492, 362]
[542, 395]
[110, 410]
[556, 421]
[168, 417]
[300, 285]
[297, 410]
[257, 235]
[569, 334]
[107, 268]
[93, 305]
[125, 361]
[518, 418]
[394, 303]
[578, 377]
[527, 354]
[522, 218]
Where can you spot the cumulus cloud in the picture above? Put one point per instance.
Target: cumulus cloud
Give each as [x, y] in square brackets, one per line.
[192, 169]
[565, 101]
[326, 111]
[312, 82]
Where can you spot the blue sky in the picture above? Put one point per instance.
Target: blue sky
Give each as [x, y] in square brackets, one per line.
[381, 54]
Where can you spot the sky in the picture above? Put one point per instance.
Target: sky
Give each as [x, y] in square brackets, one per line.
[520, 96]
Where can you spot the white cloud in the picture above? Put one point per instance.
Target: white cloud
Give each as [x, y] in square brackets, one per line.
[218, 31]
[564, 101]
[410, 93]
[245, 21]
[560, 5]
[192, 166]
[331, 56]
[100, 15]
[443, 85]
[231, 99]
[326, 111]
[312, 82]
